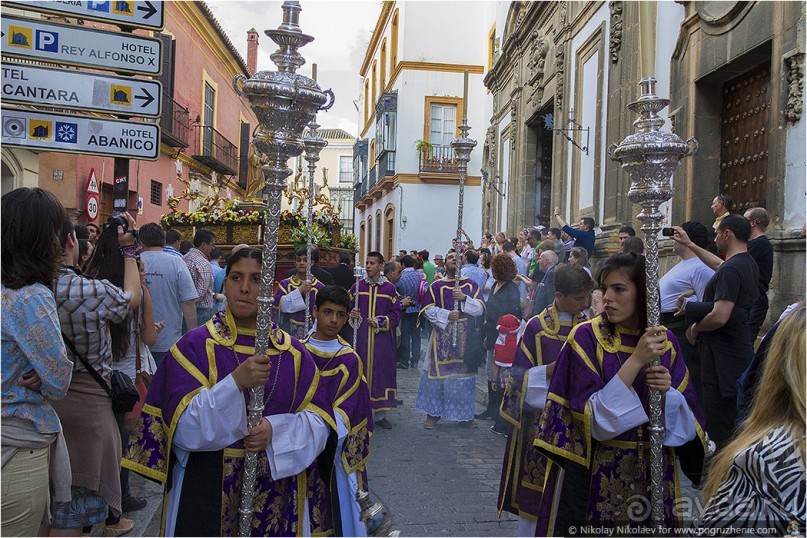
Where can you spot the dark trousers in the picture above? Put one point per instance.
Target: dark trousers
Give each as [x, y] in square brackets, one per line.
[409, 350]
[719, 409]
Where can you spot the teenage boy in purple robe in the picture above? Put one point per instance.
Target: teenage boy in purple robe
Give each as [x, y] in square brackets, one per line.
[290, 297]
[192, 433]
[343, 375]
[380, 312]
[447, 387]
[524, 466]
[595, 425]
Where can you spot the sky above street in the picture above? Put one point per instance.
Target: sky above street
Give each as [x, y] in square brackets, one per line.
[342, 31]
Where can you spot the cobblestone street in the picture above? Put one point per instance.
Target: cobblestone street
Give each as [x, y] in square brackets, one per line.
[441, 482]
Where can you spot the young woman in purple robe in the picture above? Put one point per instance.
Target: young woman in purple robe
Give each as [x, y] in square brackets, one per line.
[595, 426]
[524, 465]
[192, 434]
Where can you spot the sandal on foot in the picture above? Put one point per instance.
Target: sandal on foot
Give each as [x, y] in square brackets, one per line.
[120, 528]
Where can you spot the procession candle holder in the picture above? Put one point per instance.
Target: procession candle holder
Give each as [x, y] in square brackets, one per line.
[462, 146]
[313, 145]
[356, 322]
[284, 102]
[650, 157]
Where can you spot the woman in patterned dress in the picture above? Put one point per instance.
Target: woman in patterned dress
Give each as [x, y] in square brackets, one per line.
[758, 480]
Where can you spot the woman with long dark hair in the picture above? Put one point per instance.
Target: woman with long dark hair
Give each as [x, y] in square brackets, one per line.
[595, 425]
[35, 364]
[130, 340]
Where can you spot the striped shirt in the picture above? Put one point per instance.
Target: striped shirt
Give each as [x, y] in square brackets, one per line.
[86, 308]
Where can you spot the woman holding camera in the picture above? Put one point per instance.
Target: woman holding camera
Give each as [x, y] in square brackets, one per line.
[87, 308]
[129, 340]
[35, 369]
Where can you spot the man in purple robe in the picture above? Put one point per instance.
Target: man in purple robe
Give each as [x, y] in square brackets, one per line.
[595, 430]
[342, 374]
[524, 466]
[379, 312]
[447, 386]
[290, 297]
[192, 433]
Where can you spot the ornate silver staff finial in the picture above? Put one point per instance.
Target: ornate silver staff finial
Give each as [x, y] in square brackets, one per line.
[284, 103]
[650, 157]
[313, 145]
[462, 146]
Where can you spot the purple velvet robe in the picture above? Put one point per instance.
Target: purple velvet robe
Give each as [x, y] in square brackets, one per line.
[377, 347]
[294, 323]
[342, 374]
[446, 360]
[617, 471]
[524, 466]
[199, 360]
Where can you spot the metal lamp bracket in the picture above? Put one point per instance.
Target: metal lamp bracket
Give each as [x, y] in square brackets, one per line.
[574, 127]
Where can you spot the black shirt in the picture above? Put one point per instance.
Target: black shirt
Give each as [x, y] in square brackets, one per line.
[762, 251]
[736, 281]
[319, 273]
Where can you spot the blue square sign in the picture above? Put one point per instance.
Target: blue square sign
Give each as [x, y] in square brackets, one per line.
[98, 6]
[66, 132]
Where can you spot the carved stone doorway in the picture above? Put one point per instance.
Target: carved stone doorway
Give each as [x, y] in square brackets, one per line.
[744, 137]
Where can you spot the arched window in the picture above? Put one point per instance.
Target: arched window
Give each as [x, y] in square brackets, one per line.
[362, 249]
[383, 84]
[373, 86]
[369, 235]
[394, 43]
[389, 239]
[378, 223]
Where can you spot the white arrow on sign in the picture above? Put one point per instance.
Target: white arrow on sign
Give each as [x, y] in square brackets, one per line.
[95, 92]
[75, 45]
[79, 134]
[130, 13]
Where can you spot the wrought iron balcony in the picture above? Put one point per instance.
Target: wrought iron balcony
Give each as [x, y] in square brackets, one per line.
[216, 151]
[439, 159]
[372, 178]
[386, 164]
[174, 123]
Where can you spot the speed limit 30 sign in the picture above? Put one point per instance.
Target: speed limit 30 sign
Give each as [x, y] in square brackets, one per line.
[92, 207]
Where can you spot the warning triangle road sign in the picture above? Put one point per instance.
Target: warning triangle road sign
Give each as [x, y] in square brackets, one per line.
[92, 183]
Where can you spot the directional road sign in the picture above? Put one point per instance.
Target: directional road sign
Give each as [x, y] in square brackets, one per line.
[123, 13]
[96, 92]
[75, 45]
[79, 134]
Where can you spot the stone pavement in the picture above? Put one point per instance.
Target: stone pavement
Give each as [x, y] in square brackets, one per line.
[441, 482]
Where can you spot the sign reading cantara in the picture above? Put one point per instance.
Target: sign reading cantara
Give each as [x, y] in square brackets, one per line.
[121, 12]
[79, 134]
[94, 92]
[75, 45]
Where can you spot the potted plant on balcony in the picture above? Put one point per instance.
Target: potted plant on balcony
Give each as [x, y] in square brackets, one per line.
[424, 147]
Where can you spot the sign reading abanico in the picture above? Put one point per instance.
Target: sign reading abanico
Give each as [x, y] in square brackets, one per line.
[75, 45]
[95, 92]
[79, 134]
[141, 14]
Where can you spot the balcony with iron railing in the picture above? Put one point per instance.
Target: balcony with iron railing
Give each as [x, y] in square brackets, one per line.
[386, 164]
[372, 178]
[174, 123]
[438, 159]
[216, 151]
